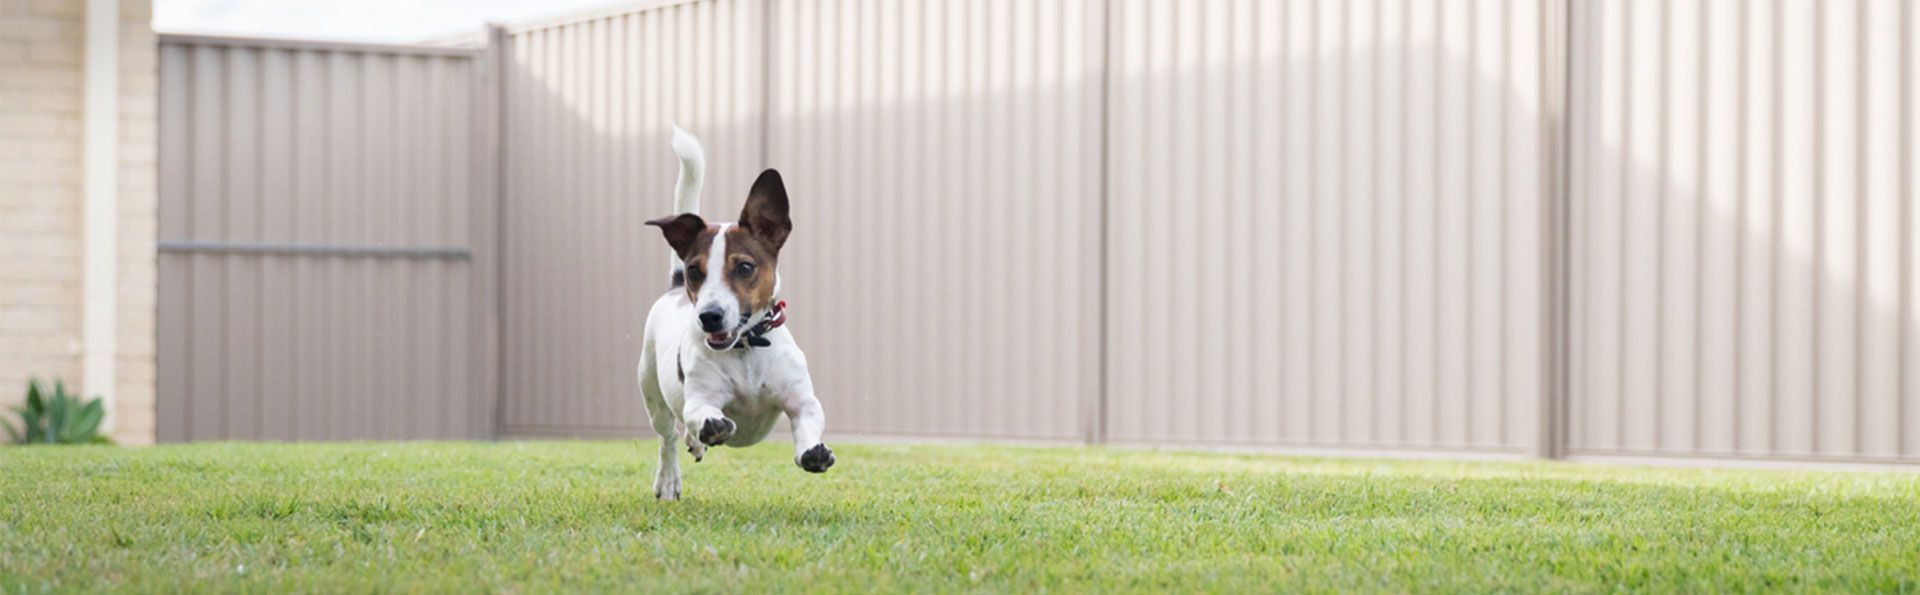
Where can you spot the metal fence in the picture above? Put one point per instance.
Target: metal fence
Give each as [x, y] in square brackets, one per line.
[1743, 255]
[945, 269]
[1622, 227]
[1326, 224]
[585, 106]
[325, 242]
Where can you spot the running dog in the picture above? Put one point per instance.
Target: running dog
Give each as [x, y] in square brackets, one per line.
[717, 365]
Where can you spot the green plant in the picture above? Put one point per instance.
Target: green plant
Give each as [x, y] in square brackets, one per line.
[57, 419]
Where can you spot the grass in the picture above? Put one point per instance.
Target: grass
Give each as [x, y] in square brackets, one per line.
[536, 517]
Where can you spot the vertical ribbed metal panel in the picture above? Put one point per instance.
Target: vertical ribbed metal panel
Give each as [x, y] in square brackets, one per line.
[1743, 255]
[943, 159]
[586, 107]
[1325, 224]
[268, 143]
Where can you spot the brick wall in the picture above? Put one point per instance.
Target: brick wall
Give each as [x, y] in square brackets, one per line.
[42, 61]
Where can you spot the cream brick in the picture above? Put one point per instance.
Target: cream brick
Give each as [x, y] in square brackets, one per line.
[136, 12]
[40, 343]
[31, 123]
[58, 53]
[140, 34]
[30, 77]
[66, 184]
[141, 436]
[37, 270]
[131, 381]
[64, 8]
[56, 102]
[133, 425]
[42, 365]
[31, 196]
[47, 166]
[25, 179]
[47, 246]
[38, 27]
[137, 365]
[43, 100]
[133, 414]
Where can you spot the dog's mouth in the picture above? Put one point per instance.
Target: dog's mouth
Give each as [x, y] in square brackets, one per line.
[722, 340]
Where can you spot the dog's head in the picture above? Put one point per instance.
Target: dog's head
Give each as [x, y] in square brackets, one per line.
[732, 269]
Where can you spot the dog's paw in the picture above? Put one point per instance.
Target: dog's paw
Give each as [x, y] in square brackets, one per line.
[666, 487]
[816, 459]
[716, 431]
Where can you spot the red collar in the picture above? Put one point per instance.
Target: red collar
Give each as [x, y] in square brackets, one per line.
[756, 337]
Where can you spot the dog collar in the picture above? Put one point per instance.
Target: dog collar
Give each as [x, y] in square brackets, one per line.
[757, 336]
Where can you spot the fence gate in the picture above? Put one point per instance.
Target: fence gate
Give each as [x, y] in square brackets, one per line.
[325, 217]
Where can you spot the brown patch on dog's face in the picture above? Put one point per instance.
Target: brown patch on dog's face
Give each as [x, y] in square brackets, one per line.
[690, 237]
[750, 269]
[696, 262]
[753, 246]
[751, 252]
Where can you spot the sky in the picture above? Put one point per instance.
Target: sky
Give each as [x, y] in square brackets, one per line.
[384, 21]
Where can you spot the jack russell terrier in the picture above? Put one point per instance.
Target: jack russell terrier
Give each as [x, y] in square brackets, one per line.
[717, 366]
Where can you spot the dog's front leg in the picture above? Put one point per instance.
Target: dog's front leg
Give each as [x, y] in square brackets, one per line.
[809, 420]
[706, 424]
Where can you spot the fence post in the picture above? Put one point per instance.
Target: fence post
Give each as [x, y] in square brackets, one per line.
[489, 232]
[1556, 64]
[1095, 415]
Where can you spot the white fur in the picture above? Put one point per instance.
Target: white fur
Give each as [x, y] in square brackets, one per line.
[716, 295]
[750, 387]
[693, 172]
[691, 179]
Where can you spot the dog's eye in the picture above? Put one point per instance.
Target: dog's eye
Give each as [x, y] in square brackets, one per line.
[695, 273]
[743, 270]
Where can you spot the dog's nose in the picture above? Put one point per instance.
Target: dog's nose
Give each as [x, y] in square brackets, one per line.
[711, 321]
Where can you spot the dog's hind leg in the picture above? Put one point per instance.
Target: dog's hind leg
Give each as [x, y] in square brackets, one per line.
[666, 477]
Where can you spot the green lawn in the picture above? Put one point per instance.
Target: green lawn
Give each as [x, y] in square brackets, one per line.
[533, 517]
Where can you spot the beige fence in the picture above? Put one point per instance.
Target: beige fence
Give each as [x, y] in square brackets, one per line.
[1326, 224]
[586, 103]
[943, 156]
[325, 242]
[1622, 227]
[1743, 269]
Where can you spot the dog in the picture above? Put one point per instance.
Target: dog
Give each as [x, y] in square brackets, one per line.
[717, 363]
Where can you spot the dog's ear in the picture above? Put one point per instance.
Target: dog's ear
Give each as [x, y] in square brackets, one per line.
[765, 215]
[681, 230]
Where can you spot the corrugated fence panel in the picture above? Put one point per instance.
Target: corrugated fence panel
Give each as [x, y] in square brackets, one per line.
[943, 161]
[1298, 223]
[1743, 258]
[1325, 223]
[283, 165]
[586, 107]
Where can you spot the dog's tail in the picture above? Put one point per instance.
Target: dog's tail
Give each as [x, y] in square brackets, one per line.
[686, 188]
[693, 171]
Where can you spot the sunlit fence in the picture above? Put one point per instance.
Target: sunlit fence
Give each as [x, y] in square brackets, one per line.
[1499, 227]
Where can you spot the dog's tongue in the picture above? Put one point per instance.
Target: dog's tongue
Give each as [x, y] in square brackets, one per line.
[717, 338]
